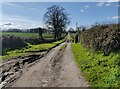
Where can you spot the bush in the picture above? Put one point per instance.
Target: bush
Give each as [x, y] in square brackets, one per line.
[105, 38]
[11, 43]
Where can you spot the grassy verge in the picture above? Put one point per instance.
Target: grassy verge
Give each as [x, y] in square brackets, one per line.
[24, 51]
[99, 70]
[63, 47]
[72, 37]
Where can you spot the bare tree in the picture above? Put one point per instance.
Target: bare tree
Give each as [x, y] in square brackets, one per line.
[57, 19]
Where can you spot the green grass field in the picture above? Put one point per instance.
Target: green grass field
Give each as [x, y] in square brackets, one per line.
[99, 70]
[25, 51]
[27, 35]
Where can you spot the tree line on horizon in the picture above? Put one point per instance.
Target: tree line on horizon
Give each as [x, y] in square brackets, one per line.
[56, 20]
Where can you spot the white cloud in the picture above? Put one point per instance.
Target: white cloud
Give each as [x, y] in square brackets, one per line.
[113, 0]
[87, 6]
[100, 4]
[116, 17]
[19, 22]
[113, 17]
[19, 6]
[108, 17]
[104, 4]
[8, 24]
[108, 4]
[55, 0]
[118, 5]
[82, 10]
[13, 4]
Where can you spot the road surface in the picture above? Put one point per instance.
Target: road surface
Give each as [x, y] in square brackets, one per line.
[56, 69]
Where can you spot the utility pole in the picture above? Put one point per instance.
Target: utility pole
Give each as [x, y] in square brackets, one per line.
[76, 26]
[76, 37]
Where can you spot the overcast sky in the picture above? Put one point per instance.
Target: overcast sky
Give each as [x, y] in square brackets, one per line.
[30, 14]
